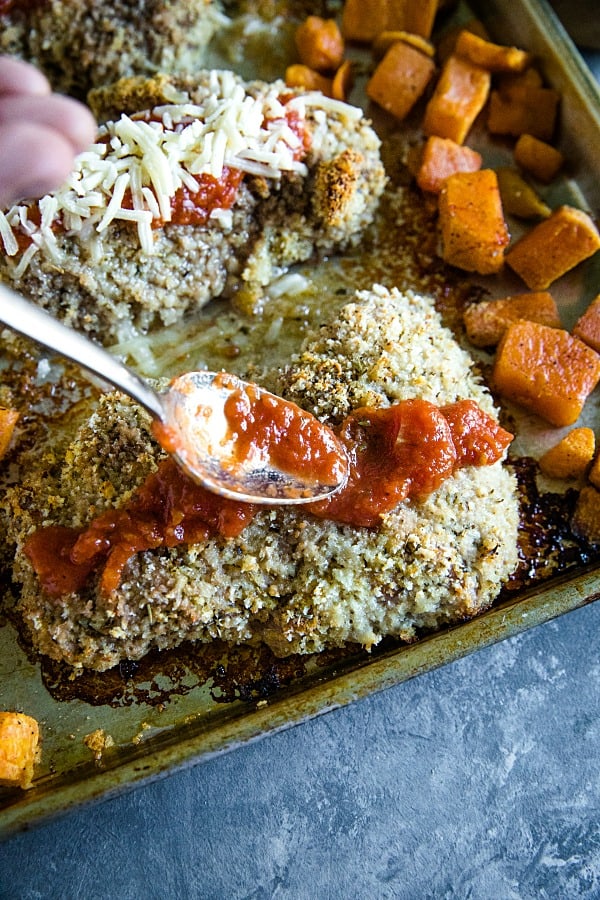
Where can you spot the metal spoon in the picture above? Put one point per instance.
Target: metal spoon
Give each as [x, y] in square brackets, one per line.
[190, 419]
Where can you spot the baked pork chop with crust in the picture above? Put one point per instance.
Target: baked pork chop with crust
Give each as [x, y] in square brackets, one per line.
[213, 189]
[80, 44]
[298, 581]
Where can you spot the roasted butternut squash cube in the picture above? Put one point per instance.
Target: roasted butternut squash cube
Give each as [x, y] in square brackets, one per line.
[447, 41]
[418, 16]
[400, 79]
[473, 230]
[553, 247]
[320, 44]
[363, 20]
[571, 457]
[524, 109]
[587, 327]
[486, 321]
[441, 158]
[546, 370]
[539, 158]
[343, 81]
[458, 98]
[490, 56]
[19, 737]
[301, 76]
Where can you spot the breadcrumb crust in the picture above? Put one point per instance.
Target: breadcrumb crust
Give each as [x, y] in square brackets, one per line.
[80, 44]
[297, 583]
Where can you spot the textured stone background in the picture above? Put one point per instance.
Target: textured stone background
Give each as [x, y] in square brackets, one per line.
[480, 780]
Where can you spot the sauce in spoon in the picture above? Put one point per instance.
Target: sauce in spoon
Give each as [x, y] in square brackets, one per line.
[253, 435]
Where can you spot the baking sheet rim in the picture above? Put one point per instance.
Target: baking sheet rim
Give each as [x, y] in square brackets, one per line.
[390, 669]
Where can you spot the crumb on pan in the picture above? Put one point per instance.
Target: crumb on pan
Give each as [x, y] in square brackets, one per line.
[98, 742]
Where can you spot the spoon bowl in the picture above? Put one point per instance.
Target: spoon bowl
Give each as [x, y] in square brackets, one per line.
[230, 436]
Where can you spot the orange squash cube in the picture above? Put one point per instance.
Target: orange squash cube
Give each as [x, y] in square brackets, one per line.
[546, 370]
[363, 20]
[571, 457]
[400, 79]
[472, 226]
[553, 247]
[343, 81]
[458, 98]
[441, 158]
[19, 737]
[485, 322]
[587, 327]
[447, 40]
[490, 56]
[418, 16]
[524, 109]
[320, 44]
[539, 158]
[301, 76]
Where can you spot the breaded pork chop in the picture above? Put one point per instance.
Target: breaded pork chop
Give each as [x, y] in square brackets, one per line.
[212, 192]
[80, 44]
[298, 582]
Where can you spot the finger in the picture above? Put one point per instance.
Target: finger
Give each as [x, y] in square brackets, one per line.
[17, 77]
[35, 161]
[68, 117]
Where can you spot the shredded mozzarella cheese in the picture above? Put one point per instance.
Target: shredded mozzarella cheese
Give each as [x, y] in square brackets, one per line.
[139, 163]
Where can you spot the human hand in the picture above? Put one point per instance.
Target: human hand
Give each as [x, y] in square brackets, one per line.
[40, 133]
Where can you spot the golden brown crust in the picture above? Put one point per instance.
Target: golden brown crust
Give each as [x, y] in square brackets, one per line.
[335, 186]
[299, 583]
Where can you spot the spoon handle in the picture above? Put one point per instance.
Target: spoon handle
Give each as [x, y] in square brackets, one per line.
[33, 322]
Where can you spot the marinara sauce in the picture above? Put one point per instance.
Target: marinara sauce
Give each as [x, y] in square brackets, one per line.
[398, 453]
[167, 510]
[264, 426]
[195, 207]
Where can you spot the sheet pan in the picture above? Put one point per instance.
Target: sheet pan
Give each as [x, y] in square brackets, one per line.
[155, 730]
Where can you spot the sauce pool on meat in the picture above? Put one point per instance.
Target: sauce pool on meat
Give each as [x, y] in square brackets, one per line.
[195, 207]
[402, 452]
